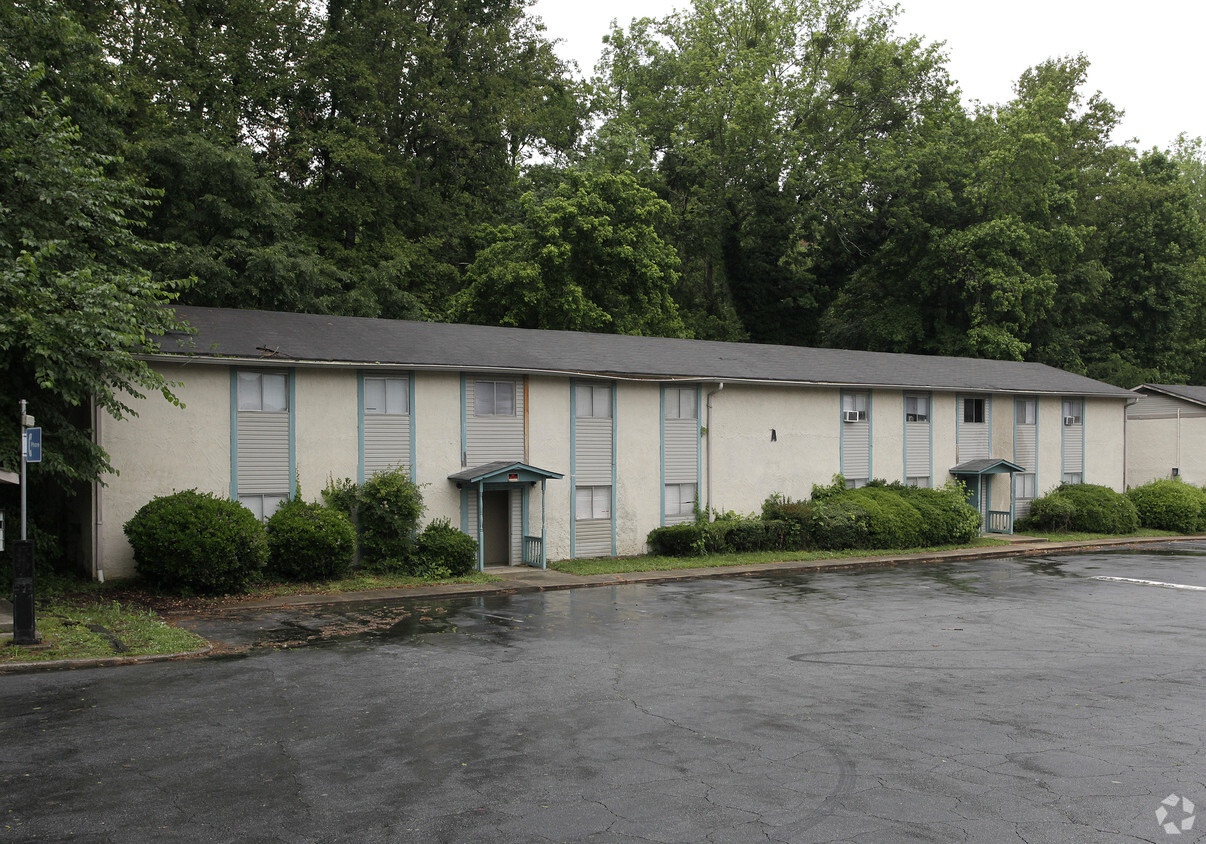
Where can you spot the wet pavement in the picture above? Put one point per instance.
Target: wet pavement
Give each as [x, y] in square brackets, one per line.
[993, 700]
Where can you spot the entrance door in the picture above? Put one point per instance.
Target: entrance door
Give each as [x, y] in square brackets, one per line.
[496, 529]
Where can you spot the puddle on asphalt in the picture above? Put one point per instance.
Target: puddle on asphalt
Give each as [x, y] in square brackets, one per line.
[505, 619]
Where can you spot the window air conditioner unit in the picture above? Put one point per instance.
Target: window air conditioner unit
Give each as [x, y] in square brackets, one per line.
[1069, 420]
[849, 415]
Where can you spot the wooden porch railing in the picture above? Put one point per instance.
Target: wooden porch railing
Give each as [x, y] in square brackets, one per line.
[533, 550]
[999, 522]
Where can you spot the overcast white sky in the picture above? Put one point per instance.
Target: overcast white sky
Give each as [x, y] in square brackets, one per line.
[1146, 55]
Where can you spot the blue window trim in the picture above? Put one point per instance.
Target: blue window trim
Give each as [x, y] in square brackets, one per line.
[870, 394]
[290, 375]
[904, 420]
[410, 390]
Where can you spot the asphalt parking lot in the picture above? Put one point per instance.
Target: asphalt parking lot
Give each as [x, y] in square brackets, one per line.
[1016, 699]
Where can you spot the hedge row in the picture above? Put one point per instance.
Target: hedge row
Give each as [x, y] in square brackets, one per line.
[1170, 504]
[879, 515]
[193, 542]
[1081, 507]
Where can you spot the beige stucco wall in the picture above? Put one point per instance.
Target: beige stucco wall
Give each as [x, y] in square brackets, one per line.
[1049, 468]
[638, 464]
[163, 450]
[549, 419]
[1105, 443]
[887, 431]
[326, 419]
[748, 466]
[436, 426]
[943, 419]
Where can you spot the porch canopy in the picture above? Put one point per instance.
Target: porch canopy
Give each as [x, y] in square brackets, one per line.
[972, 473]
[505, 474]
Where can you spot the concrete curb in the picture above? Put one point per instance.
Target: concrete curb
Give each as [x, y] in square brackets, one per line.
[537, 580]
[98, 662]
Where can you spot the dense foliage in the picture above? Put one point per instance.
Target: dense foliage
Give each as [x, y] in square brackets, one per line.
[1081, 507]
[308, 541]
[1170, 504]
[385, 510]
[195, 542]
[879, 515]
[789, 171]
[444, 551]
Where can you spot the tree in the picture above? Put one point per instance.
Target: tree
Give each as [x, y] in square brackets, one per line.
[588, 257]
[757, 119]
[75, 309]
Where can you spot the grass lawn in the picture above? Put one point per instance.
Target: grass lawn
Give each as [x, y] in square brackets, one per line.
[100, 629]
[617, 565]
[1082, 537]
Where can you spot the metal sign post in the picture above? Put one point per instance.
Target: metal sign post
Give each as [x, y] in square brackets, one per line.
[25, 630]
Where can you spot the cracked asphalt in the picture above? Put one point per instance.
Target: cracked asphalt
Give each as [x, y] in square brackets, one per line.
[1003, 700]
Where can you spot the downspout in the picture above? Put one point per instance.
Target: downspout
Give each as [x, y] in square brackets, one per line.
[98, 514]
[720, 386]
[1178, 440]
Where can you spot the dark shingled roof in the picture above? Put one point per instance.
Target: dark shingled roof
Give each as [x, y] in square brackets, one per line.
[310, 338]
[1180, 391]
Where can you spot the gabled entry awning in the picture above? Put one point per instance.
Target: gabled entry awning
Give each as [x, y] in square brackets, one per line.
[504, 474]
[987, 466]
[995, 521]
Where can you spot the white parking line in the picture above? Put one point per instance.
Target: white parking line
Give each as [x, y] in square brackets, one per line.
[1159, 583]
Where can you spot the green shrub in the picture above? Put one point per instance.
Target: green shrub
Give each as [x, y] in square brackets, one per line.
[1082, 507]
[1169, 504]
[388, 508]
[794, 514]
[946, 517]
[686, 540]
[308, 541]
[194, 542]
[891, 521]
[838, 522]
[441, 546]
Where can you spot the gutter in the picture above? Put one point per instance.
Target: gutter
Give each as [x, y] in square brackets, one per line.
[582, 373]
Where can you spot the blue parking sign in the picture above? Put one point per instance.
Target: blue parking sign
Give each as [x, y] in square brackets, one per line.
[33, 445]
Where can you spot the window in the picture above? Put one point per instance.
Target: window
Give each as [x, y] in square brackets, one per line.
[1074, 477]
[387, 396]
[262, 391]
[592, 502]
[854, 407]
[917, 408]
[1073, 409]
[1024, 486]
[263, 506]
[493, 398]
[1025, 411]
[920, 481]
[973, 410]
[855, 483]
[680, 499]
[681, 403]
[592, 401]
